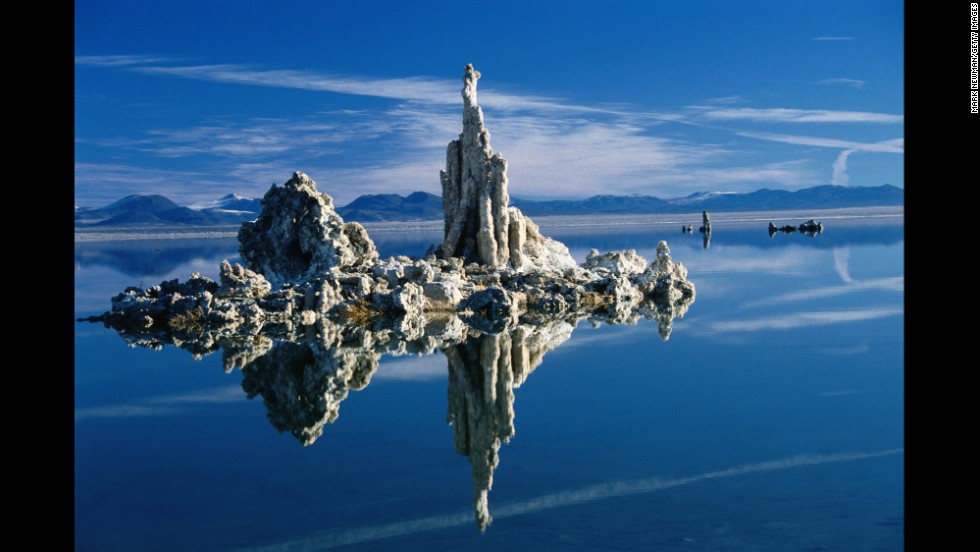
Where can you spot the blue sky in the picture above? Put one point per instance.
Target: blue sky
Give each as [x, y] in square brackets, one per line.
[195, 100]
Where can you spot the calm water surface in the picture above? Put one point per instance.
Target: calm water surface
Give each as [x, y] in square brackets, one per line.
[771, 419]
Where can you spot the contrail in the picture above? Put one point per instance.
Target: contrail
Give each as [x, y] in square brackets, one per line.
[840, 177]
[332, 539]
[841, 257]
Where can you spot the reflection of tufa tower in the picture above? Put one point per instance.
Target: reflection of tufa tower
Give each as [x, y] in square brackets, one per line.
[303, 384]
[483, 373]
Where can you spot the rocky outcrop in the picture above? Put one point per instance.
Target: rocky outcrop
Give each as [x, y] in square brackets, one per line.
[480, 224]
[705, 223]
[299, 236]
[304, 263]
[811, 227]
[705, 229]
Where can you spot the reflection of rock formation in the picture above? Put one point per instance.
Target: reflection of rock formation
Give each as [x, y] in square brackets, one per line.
[303, 367]
[483, 373]
[480, 225]
[303, 386]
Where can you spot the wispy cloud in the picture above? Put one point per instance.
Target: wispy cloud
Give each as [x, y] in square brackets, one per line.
[893, 284]
[413, 368]
[839, 176]
[842, 257]
[571, 497]
[803, 320]
[122, 60]
[545, 154]
[853, 83]
[832, 38]
[414, 88]
[850, 350]
[553, 146]
[163, 405]
[786, 115]
[746, 260]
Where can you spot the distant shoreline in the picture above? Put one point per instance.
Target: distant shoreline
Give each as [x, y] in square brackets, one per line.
[884, 214]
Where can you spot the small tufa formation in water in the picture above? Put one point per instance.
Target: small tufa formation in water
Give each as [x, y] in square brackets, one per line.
[705, 223]
[809, 228]
[706, 229]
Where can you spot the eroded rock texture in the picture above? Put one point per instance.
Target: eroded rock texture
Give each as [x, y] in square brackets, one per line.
[298, 235]
[480, 225]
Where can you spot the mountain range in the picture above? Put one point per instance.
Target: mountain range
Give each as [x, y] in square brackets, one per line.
[143, 210]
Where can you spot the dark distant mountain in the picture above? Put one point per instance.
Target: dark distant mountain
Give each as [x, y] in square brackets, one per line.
[393, 207]
[142, 210]
[600, 204]
[819, 197]
[157, 210]
[133, 204]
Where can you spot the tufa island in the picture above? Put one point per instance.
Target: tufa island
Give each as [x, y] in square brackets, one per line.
[314, 308]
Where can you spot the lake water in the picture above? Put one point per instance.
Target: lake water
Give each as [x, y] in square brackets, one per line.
[771, 419]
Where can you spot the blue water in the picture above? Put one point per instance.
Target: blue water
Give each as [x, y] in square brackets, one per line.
[771, 419]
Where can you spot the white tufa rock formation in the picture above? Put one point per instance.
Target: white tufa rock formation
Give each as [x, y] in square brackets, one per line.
[480, 226]
[299, 236]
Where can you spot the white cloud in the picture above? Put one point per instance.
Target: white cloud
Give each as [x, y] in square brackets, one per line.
[842, 256]
[413, 368]
[840, 176]
[853, 83]
[802, 320]
[737, 259]
[553, 148]
[163, 405]
[121, 60]
[850, 350]
[417, 89]
[785, 115]
[894, 284]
